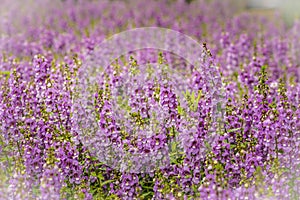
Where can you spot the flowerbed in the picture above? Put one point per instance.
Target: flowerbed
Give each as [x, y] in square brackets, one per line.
[155, 126]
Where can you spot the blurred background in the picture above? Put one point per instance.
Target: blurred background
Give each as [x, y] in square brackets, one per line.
[290, 9]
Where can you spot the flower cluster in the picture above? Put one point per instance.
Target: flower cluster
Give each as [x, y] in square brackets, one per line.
[151, 127]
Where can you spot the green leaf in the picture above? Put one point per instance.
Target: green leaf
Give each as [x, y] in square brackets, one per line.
[100, 176]
[199, 96]
[219, 167]
[5, 72]
[186, 94]
[146, 194]
[264, 67]
[207, 144]
[173, 146]
[180, 110]
[147, 187]
[219, 106]
[106, 182]
[281, 151]
[193, 96]
[233, 130]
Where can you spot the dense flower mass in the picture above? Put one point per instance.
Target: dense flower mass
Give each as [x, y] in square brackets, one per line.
[156, 131]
